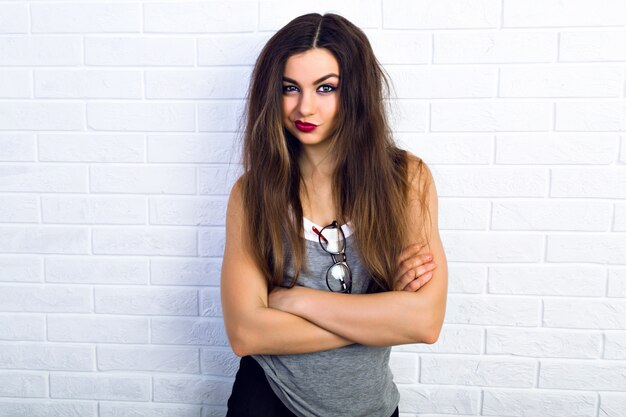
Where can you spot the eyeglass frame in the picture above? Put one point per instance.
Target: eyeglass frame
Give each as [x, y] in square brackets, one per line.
[341, 255]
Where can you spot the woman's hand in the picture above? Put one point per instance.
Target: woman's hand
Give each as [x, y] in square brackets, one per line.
[414, 270]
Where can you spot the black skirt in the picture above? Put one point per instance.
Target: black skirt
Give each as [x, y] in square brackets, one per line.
[252, 395]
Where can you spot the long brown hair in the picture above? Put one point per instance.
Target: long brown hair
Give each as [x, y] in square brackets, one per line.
[371, 179]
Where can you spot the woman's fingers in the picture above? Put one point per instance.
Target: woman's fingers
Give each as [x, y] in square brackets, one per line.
[413, 262]
[414, 273]
[416, 284]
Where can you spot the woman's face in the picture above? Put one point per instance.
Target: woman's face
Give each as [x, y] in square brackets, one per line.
[310, 96]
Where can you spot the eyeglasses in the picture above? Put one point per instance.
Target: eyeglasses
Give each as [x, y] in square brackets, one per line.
[333, 241]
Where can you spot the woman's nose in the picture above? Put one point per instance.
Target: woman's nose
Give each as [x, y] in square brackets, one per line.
[307, 104]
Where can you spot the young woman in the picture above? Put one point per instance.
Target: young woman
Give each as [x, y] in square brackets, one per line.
[331, 233]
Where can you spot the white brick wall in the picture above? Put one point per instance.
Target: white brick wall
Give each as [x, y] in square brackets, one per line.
[119, 123]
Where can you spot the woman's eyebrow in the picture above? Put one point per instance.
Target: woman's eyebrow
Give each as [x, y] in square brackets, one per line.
[314, 82]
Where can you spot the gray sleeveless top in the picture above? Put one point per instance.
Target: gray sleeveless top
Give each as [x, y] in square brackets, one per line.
[350, 381]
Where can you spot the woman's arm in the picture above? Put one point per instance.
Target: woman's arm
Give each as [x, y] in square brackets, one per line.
[252, 327]
[389, 318]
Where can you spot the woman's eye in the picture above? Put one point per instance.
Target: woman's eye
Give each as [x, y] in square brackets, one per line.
[289, 88]
[327, 88]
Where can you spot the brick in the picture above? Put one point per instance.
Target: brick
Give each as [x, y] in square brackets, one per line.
[549, 343]
[43, 178]
[150, 359]
[617, 283]
[21, 269]
[551, 215]
[87, 83]
[41, 116]
[200, 17]
[482, 372]
[166, 117]
[21, 384]
[490, 116]
[84, 17]
[427, 399]
[492, 247]
[19, 209]
[218, 180]
[204, 211]
[598, 182]
[100, 387]
[220, 116]
[404, 367]
[490, 181]
[13, 18]
[467, 279]
[615, 345]
[97, 329]
[221, 362]
[525, 403]
[210, 302]
[453, 339]
[400, 47]
[42, 239]
[45, 298]
[560, 80]
[133, 51]
[39, 408]
[447, 14]
[146, 301]
[22, 327]
[612, 405]
[443, 82]
[619, 225]
[94, 209]
[189, 331]
[201, 272]
[97, 270]
[143, 179]
[40, 50]
[550, 13]
[464, 214]
[152, 410]
[584, 314]
[18, 147]
[591, 116]
[565, 280]
[588, 247]
[583, 375]
[232, 49]
[193, 148]
[211, 242]
[409, 116]
[144, 241]
[493, 310]
[15, 83]
[560, 148]
[457, 47]
[44, 357]
[214, 83]
[191, 389]
[475, 148]
[592, 46]
[274, 14]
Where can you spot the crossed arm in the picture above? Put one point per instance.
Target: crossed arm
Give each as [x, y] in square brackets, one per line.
[301, 320]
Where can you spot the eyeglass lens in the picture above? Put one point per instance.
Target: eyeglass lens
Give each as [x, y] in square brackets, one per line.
[338, 277]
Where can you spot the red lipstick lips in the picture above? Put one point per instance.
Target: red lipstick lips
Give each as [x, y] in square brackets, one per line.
[304, 126]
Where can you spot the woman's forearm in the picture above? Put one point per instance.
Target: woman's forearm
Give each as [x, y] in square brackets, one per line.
[271, 331]
[381, 319]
